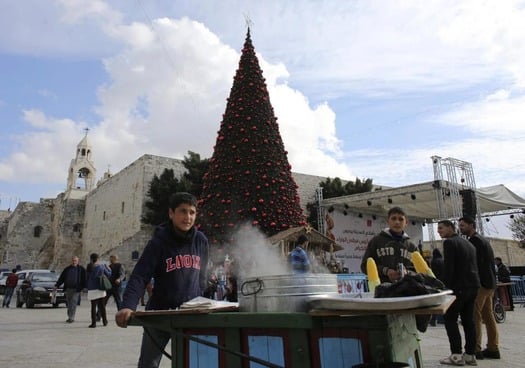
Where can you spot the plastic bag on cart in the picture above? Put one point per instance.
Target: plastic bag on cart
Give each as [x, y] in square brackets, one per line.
[412, 285]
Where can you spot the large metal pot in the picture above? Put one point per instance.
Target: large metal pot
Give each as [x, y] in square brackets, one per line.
[284, 293]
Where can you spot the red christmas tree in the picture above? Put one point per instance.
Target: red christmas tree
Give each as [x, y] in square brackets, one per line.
[249, 180]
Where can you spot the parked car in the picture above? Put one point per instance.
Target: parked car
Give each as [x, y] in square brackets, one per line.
[37, 288]
[3, 277]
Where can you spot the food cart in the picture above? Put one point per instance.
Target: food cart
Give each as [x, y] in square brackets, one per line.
[223, 337]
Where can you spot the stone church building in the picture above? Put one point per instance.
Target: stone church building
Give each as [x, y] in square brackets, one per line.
[101, 217]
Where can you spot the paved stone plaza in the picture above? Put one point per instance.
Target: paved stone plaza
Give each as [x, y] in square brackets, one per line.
[40, 338]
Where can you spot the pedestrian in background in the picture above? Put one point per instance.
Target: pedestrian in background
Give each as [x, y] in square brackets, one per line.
[437, 265]
[10, 285]
[461, 276]
[117, 276]
[74, 279]
[298, 257]
[503, 276]
[95, 295]
[483, 312]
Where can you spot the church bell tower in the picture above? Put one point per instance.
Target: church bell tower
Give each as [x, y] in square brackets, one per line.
[82, 172]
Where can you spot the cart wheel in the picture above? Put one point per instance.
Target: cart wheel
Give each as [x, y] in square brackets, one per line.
[499, 312]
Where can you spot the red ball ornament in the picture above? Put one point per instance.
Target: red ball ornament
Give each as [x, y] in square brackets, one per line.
[272, 224]
[261, 200]
[254, 209]
[255, 222]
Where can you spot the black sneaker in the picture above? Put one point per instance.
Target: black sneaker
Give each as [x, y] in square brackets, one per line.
[479, 355]
[491, 354]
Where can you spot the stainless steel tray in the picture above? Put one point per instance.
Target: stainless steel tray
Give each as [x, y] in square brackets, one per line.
[366, 301]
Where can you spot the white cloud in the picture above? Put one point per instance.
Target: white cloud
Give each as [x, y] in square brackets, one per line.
[43, 153]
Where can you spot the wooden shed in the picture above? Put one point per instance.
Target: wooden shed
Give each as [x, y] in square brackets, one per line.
[319, 245]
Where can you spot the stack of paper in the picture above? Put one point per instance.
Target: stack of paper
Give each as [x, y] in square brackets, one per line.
[205, 303]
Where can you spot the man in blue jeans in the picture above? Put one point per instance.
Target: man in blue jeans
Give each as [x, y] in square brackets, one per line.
[10, 285]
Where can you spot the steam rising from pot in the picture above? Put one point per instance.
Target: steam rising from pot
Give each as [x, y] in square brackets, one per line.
[255, 256]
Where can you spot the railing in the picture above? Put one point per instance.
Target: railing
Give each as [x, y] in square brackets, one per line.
[518, 289]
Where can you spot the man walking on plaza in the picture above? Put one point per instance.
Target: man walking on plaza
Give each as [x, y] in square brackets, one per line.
[116, 278]
[74, 279]
[10, 285]
[460, 274]
[483, 306]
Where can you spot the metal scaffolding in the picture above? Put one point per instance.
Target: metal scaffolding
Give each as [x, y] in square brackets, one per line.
[459, 176]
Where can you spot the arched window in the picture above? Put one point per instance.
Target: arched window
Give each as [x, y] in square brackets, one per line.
[37, 231]
[135, 255]
[77, 228]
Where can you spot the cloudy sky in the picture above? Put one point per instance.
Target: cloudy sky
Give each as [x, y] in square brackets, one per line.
[368, 89]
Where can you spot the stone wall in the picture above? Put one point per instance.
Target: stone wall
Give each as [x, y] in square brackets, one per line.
[68, 222]
[28, 232]
[113, 210]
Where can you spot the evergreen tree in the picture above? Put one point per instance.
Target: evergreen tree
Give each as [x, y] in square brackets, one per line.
[249, 180]
[517, 227]
[335, 188]
[192, 180]
[159, 192]
[162, 187]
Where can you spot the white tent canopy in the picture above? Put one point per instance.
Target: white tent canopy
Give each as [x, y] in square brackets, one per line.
[420, 201]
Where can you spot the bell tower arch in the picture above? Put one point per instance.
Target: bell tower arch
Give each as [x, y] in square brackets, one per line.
[82, 171]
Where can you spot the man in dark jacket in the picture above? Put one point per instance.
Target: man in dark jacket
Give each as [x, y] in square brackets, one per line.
[74, 279]
[461, 276]
[117, 276]
[503, 275]
[177, 258]
[483, 312]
